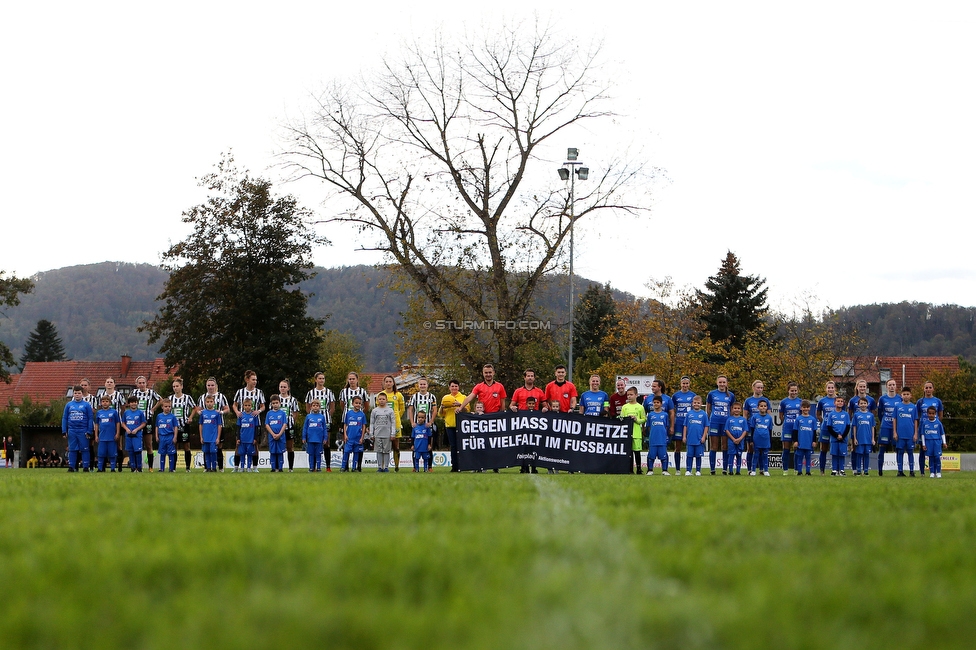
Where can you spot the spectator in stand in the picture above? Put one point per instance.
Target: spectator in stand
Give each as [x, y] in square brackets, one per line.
[33, 460]
[45, 457]
[57, 460]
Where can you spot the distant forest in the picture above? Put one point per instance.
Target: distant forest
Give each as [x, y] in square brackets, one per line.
[98, 307]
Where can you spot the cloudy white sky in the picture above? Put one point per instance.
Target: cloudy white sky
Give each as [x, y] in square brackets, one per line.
[830, 145]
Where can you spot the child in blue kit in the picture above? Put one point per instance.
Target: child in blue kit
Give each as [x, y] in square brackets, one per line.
[694, 435]
[762, 439]
[166, 427]
[933, 438]
[276, 424]
[107, 428]
[906, 431]
[421, 442]
[247, 428]
[133, 424]
[838, 425]
[314, 433]
[789, 410]
[658, 428]
[353, 429]
[863, 427]
[211, 428]
[736, 428]
[805, 434]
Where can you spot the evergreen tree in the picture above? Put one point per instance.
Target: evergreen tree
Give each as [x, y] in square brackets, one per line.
[593, 316]
[734, 305]
[232, 300]
[43, 344]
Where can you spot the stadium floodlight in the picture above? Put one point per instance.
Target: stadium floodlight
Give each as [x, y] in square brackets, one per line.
[566, 175]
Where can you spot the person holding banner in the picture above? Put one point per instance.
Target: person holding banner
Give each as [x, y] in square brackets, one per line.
[490, 393]
[453, 398]
[520, 402]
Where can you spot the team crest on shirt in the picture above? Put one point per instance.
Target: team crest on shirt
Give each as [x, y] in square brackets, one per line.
[565, 395]
[494, 394]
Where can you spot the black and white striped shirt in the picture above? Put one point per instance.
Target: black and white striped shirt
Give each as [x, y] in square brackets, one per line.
[94, 401]
[117, 400]
[220, 402]
[256, 396]
[147, 400]
[423, 402]
[347, 394]
[182, 407]
[325, 396]
[290, 406]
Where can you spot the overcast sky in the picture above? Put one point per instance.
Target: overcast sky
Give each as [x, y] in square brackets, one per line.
[832, 147]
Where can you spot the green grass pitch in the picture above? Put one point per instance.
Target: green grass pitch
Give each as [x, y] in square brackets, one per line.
[485, 561]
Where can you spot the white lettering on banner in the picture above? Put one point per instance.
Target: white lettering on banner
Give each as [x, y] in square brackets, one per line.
[566, 426]
[607, 430]
[542, 424]
[472, 443]
[504, 442]
[478, 425]
[592, 447]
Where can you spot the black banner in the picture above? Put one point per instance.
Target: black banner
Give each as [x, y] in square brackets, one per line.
[565, 441]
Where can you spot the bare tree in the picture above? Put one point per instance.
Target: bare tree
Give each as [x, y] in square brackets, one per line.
[436, 157]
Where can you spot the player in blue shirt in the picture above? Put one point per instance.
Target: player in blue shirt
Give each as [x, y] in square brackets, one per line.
[107, 428]
[805, 436]
[736, 428]
[825, 406]
[77, 425]
[594, 402]
[862, 423]
[248, 426]
[133, 424]
[421, 442]
[933, 438]
[657, 390]
[695, 432]
[353, 428]
[167, 426]
[315, 431]
[762, 438]
[860, 390]
[211, 429]
[718, 404]
[682, 404]
[658, 432]
[906, 431]
[886, 418]
[276, 424]
[928, 399]
[789, 411]
[838, 426]
[750, 407]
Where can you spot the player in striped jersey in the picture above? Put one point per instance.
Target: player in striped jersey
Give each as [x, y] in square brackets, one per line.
[426, 402]
[183, 409]
[221, 405]
[326, 399]
[290, 406]
[255, 394]
[346, 395]
[147, 400]
[117, 402]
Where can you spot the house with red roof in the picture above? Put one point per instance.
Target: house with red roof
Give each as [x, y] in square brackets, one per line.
[46, 381]
[907, 371]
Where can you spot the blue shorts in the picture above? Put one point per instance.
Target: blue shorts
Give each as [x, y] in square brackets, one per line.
[695, 451]
[838, 448]
[787, 436]
[933, 446]
[904, 444]
[824, 435]
[714, 432]
[107, 449]
[863, 450]
[734, 448]
[885, 436]
[133, 443]
[677, 437]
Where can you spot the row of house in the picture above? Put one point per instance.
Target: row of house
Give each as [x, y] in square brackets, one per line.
[46, 381]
